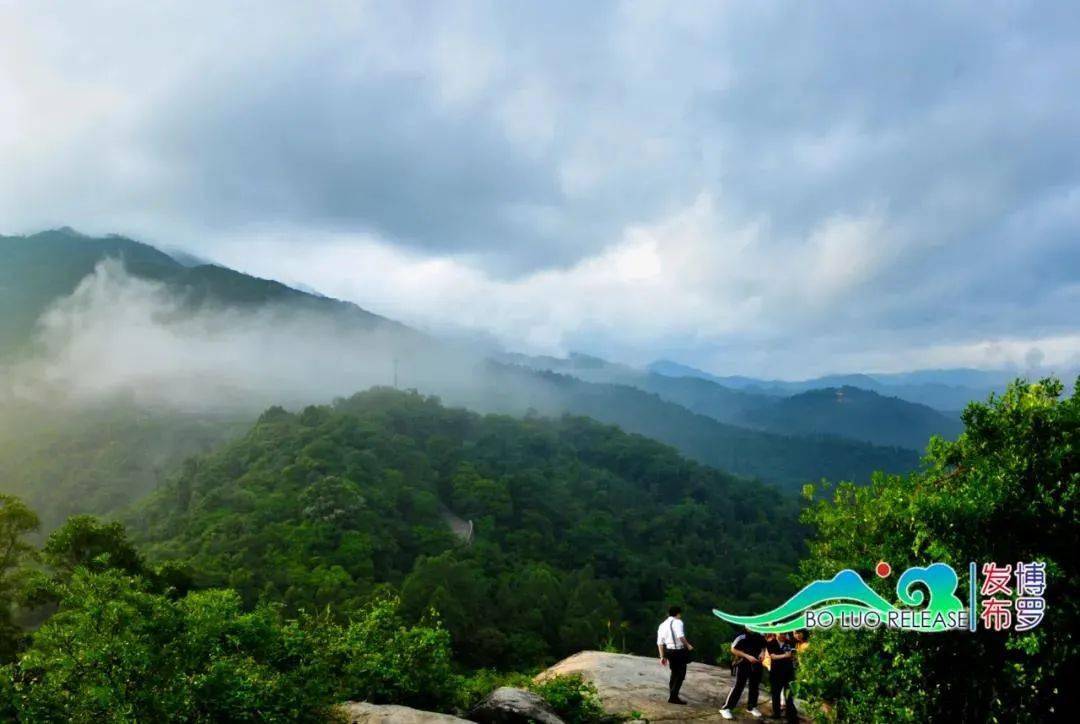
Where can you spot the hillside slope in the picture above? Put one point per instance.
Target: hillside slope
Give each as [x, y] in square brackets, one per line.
[856, 413]
[38, 269]
[867, 416]
[101, 458]
[789, 461]
[578, 526]
[324, 348]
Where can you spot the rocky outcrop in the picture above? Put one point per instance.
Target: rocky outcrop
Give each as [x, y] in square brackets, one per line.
[360, 712]
[507, 705]
[629, 684]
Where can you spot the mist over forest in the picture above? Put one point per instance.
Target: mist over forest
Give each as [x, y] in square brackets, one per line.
[118, 336]
[201, 343]
[299, 452]
[409, 361]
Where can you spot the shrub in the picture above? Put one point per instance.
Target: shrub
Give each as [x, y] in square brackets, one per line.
[1007, 490]
[117, 650]
[572, 698]
[378, 658]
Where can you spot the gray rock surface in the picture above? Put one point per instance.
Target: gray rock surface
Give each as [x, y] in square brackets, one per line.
[628, 684]
[507, 705]
[360, 712]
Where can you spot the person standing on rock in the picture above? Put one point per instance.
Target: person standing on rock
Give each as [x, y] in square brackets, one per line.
[782, 652]
[674, 651]
[748, 649]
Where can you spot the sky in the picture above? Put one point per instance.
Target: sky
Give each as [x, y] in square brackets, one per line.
[773, 189]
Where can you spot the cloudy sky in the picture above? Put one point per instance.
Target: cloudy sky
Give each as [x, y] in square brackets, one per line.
[779, 189]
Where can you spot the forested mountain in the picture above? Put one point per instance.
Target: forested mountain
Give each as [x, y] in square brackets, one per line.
[581, 533]
[944, 390]
[855, 414]
[327, 537]
[38, 269]
[578, 526]
[227, 345]
[786, 460]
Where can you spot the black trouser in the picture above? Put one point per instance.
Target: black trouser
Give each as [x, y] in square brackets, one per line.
[778, 682]
[744, 671]
[677, 660]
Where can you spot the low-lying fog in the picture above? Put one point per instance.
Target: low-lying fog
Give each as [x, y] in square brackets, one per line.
[122, 337]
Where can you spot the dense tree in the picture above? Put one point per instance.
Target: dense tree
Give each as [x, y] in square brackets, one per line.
[65, 459]
[578, 527]
[1005, 491]
[16, 522]
[88, 542]
[117, 651]
[583, 534]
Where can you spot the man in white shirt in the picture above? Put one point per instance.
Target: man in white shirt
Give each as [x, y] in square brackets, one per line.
[674, 650]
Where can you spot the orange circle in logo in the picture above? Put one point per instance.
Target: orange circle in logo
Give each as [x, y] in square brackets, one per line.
[883, 569]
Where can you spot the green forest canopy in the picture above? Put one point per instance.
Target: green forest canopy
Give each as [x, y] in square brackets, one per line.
[99, 458]
[282, 568]
[38, 270]
[128, 642]
[583, 533]
[1005, 491]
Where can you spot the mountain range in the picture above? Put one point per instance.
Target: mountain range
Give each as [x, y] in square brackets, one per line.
[190, 401]
[783, 435]
[947, 390]
[836, 408]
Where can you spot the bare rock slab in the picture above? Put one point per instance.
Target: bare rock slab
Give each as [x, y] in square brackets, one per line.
[360, 712]
[507, 705]
[628, 684]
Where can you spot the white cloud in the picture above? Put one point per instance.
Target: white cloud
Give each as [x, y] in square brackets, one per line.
[1058, 353]
[732, 182]
[685, 275]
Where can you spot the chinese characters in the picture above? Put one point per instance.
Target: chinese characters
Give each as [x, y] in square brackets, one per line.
[1013, 596]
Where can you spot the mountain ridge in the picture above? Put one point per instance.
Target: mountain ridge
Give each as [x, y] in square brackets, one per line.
[40, 268]
[945, 390]
[881, 419]
[786, 460]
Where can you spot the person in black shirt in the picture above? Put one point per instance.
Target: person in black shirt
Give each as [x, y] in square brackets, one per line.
[782, 653]
[748, 649]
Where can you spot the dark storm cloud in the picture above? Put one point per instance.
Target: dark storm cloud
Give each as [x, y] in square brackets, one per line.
[893, 174]
[314, 149]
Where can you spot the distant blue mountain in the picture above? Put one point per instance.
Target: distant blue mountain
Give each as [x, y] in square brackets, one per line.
[947, 390]
[855, 413]
[37, 270]
[844, 406]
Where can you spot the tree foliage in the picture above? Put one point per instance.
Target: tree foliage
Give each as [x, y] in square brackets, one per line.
[1005, 491]
[118, 651]
[16, 522]
[66, 460]
[573, 699]
[578, 526]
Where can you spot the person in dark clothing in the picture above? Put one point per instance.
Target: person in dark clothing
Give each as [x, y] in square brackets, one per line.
[748, 648]
[674, 651]
[782, 653]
